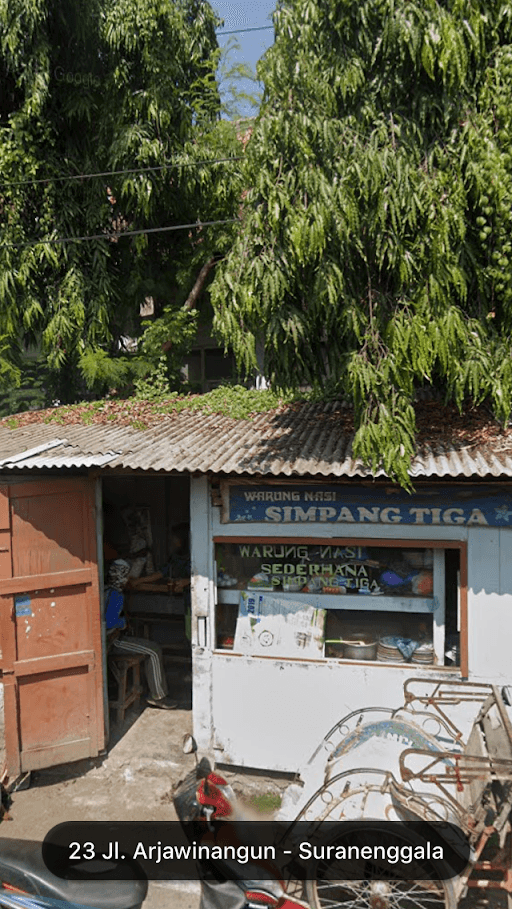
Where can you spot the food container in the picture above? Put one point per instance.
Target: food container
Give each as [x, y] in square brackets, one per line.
[359, 648]
[352, 648]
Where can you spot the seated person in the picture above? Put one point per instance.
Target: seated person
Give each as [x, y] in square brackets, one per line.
[178, 568]
[126, 645]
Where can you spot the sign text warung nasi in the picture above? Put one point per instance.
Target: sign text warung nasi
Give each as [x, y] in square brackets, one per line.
[449, 506]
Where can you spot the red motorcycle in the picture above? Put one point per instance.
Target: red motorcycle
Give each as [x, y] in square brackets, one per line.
[203, 800]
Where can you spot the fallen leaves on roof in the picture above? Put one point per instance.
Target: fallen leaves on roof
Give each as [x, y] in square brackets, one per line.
[446, 425]
[437, 424]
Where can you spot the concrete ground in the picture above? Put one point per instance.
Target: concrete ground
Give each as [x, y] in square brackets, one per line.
[134, 782]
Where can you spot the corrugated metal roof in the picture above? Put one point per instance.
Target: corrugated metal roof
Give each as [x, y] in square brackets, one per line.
[22, 456]
[302, 440]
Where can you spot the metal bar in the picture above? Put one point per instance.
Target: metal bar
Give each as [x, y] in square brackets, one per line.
[416, 715]
[446, 692]
[468, 691]
[505, 719]
[467, 767]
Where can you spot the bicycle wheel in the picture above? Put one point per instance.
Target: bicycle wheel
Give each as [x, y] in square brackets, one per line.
[331, 894]
[329, 887]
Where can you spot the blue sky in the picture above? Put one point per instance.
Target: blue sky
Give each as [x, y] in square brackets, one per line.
[246, 15]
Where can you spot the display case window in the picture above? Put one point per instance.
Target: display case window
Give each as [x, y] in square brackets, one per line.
[339, 600]
[325, 569]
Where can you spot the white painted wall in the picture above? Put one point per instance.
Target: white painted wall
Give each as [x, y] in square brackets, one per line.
[201, 552]
[490, 604]
[271, 714]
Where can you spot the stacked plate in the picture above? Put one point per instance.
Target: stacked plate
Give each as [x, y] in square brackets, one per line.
[424, 653]
[387, 652]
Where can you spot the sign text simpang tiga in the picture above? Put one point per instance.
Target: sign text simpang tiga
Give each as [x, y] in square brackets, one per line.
[333, 504]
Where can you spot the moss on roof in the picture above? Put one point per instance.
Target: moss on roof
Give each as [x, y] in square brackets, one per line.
[231, 401]
[436, 423]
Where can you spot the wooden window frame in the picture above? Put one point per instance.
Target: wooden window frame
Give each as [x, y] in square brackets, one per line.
[460, 545]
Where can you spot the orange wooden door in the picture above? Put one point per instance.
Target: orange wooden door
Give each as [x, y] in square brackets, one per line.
[50, 623]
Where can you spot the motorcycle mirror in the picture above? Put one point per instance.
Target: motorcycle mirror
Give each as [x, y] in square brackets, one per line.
[189, 744]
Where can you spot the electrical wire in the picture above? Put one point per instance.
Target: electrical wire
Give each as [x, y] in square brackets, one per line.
[239, 31]
[116, 235]
[115, 173]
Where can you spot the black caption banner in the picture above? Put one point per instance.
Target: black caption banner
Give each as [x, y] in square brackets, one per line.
[257, 850]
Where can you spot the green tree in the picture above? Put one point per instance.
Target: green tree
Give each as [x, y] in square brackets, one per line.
[374, 254]
[91, 87]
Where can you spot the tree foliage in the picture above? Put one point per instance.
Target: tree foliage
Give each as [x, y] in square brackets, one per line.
[375, 250]
[88, 87]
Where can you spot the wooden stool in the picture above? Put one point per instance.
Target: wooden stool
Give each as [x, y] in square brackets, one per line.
[127, 694]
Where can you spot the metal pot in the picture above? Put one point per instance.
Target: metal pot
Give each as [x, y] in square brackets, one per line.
[359, 650]
[352, 648]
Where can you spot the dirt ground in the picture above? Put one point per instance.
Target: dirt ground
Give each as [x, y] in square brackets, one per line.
[134, 781]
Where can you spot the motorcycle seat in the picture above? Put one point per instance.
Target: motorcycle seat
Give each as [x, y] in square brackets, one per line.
[22, 866]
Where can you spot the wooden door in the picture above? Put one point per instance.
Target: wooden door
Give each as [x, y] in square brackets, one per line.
[50, 623]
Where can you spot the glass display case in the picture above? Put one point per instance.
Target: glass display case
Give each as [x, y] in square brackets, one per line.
[355, 601]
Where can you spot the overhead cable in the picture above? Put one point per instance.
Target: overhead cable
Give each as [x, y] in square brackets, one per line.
[114, 173]
[239, 31]
[115, 235]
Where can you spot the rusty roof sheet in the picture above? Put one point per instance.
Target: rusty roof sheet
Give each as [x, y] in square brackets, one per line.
[299, 440]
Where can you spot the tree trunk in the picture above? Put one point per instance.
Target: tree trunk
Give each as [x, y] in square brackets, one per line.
[199, 283]
[194, 293]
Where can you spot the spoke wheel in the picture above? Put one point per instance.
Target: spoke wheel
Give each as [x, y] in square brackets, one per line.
[332, 894]
[330, 889]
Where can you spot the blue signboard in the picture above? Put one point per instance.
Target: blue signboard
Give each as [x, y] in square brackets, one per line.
[337, 504]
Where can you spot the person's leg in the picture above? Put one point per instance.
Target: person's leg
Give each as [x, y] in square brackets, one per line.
[153, 665]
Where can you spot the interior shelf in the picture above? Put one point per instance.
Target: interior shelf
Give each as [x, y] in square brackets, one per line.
[423, 613]
[341, 601]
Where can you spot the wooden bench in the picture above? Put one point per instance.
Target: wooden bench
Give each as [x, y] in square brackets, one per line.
[128, 690]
